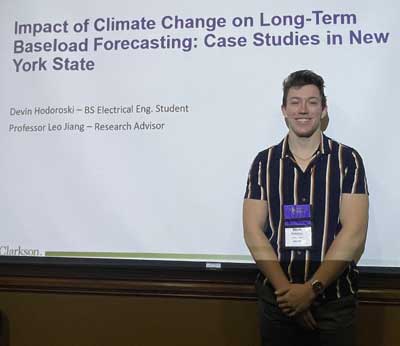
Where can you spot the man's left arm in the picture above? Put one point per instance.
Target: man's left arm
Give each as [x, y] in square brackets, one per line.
[348, 246]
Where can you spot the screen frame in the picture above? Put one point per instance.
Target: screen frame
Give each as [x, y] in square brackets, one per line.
[162, 271]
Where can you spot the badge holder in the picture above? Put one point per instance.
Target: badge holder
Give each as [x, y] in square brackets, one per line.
[298, 227]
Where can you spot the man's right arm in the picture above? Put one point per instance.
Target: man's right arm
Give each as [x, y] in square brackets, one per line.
[255, 213]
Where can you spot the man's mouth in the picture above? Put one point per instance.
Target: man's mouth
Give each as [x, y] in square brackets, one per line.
[303, 120]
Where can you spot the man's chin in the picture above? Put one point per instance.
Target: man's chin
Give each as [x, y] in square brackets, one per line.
[305, 134]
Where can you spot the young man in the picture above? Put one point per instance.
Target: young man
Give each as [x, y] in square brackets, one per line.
[305, 217]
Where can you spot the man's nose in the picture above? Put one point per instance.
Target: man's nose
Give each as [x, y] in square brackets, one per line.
[303, 107]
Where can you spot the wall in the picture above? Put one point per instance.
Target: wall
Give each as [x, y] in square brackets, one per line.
[74, 306]
[35, 319]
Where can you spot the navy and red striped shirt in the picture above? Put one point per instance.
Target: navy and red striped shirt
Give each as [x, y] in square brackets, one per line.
[276, 178]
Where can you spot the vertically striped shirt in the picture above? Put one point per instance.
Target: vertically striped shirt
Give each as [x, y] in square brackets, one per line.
[276, 178]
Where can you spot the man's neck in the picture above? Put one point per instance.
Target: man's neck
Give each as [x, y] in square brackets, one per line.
[304, 146]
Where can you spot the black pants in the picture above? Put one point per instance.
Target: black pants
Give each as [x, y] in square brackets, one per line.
[335, 320]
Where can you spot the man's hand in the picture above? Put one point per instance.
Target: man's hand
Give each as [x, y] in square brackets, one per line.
[295, 299]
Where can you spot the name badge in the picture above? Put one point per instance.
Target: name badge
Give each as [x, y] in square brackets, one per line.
[298, 226]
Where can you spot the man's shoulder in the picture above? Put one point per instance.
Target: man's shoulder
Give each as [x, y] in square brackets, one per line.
[272, 152]
[342, 149]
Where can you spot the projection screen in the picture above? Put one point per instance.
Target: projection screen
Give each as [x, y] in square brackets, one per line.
[128, 128]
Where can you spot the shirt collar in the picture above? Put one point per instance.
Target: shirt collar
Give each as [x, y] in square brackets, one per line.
[324, 147]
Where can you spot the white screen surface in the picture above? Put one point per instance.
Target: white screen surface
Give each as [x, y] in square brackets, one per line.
[175, 190]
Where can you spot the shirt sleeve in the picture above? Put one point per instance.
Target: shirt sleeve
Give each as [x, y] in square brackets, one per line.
[256, 180]
[355, 180]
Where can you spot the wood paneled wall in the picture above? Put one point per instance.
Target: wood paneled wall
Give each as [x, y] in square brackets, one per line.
[49, 307]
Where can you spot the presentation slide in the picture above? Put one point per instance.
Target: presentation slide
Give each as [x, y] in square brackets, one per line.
[127, 129]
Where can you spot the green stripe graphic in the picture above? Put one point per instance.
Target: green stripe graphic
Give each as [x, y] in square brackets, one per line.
[149, 255]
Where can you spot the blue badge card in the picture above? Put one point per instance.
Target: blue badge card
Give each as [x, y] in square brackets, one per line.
[298, 226]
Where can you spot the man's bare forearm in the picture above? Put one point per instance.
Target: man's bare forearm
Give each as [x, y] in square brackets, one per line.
[349, 244]
[255, 214]
[265, 258]
[347, 247]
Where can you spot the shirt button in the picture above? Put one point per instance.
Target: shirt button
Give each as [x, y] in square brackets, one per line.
[304, 199]
[299, 252]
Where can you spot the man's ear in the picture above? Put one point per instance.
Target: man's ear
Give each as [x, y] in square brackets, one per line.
[283, 109]
[324, 119]
[324, 112]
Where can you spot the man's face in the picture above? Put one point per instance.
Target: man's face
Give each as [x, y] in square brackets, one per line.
[303, 111]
